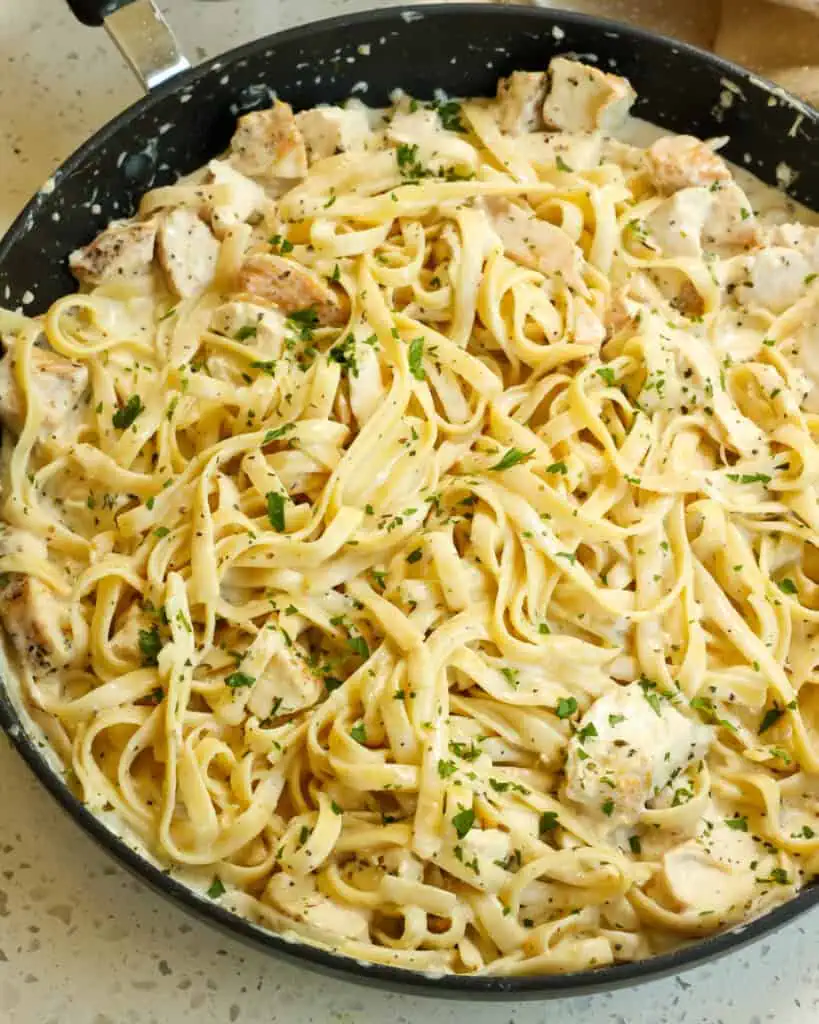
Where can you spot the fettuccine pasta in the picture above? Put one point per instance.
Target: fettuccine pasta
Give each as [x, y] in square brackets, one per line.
[410, 531]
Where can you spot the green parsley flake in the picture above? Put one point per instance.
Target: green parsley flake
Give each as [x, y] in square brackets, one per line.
[463, 821]
[512, 458]
[275, 510]
[125, 416]
[358, 645]
[770, 718]
[566, 707]
[739, 823]
[416, 358]
[150, 645]
[237, 680]
[548, 822]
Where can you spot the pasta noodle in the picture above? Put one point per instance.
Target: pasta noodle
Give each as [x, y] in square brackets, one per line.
[410, 530]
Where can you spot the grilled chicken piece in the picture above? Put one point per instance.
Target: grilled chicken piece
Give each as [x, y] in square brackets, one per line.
[37, 622]
[533, 242]
[583, 98]
[244, 200]
[58, 382]
[520, 102]
[291, 288]
[187, 252]
[330, 130]
[123, 251]
[681, 161]
[635, 750]
[268, 144]
[288, 685]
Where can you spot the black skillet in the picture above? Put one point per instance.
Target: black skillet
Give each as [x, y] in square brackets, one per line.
[461, 49]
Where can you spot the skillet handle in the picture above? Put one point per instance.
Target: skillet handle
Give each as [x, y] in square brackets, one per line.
[141, 34]
[94, 13]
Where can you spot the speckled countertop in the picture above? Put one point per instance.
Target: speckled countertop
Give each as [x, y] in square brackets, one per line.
[80, 941]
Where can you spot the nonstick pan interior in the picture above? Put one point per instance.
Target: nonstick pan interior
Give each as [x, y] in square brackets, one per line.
[461, 49]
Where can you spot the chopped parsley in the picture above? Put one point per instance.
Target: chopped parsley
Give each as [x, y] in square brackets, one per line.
[787, 586]
[216, 888]
[359, 732]
[557, 467]
[606, 373]
[566, 707]
[245, 332]
[770, 718]
[126, 414]
[282, 244]
[415, 556]
[449, 114]
[275, 510]
[409, 167]
[416, 358]
[512, 458]
[237, 680]
[446, 768]
[548, 822]
[607, 807]
[278, 432]
[358, 645]
[739, 823]
[749, 478]
[463, 821]
[150, 645]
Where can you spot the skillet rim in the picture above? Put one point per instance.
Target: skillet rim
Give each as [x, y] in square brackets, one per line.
[298, 952]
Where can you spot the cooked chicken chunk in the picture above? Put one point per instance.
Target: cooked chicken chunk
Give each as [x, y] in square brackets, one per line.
[520, 102]
[632, 742]
[712, 872]
[187, 252]
[261, 328]
[773, 277]
[121, 252]
[125, 642]
[330, 130]
[288, 684]
[801, 237]
[546, 150]
[240, 199]
[696, 219]
[535, 243]
[37, 622]
[681, 161]
[57, 382]
[438, 148]
[268, 144]
[582, 98]
[291, 287]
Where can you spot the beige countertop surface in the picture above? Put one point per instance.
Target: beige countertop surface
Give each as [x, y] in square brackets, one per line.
[80, 941]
